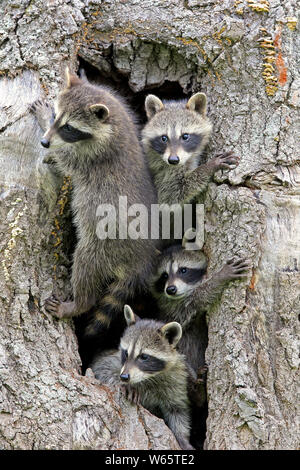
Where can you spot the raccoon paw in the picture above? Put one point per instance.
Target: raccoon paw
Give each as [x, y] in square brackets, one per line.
[236, 268]
[54, 307]
[201, 374]
[131, 394]
[43, 112]
[226, 161]
[48, 160]
[41, 107]
[184, 444]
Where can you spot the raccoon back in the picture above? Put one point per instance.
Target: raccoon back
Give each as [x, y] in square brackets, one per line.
[106, 367]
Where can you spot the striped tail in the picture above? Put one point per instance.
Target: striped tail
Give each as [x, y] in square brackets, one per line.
[110, 307]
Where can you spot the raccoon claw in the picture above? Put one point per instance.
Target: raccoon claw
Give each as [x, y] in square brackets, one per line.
[48, 160]
[40, 105]
[131, 394]
[237, 268]
[226, 161]
[134, 397]
[33, 107]
[43, 112]
[201, 375]
[52, 306]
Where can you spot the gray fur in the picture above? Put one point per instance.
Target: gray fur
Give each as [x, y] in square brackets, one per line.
[180, 183]
[109, 164]
[165, 392]
[192, 299]
[106, 367]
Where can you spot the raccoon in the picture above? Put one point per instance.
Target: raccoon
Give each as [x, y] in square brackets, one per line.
[184, 292]
[174, 139]
[152, 371]
[94, 140]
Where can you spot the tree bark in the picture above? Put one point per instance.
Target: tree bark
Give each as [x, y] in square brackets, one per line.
[243, 55]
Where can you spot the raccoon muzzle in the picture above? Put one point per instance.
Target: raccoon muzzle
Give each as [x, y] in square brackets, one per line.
[125, 377]
[45, 143]
[173, 160]
[171, 290]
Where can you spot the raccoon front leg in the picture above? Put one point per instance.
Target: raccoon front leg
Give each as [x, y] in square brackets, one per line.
[85, 288]
[179, 423]
[45, 116]
[196, 181]
[60, 309]
[209, 290]
[197, 386]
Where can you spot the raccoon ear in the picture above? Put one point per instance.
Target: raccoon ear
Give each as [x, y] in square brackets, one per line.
[100, 110]
[172, 331]
[130, 317]
[197, 103]
[71, 79]
[153, 105]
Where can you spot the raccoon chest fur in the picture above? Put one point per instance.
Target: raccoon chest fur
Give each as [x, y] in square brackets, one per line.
[168, 182]
[194, 343]
[156, 393]
[88, 196]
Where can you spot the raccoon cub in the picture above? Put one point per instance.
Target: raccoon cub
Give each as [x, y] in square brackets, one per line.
[174, 139]
[183, 293]
[153, 371]
[94, 140]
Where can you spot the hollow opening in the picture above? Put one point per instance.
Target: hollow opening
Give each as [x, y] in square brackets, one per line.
[142, 306]
[116, 80]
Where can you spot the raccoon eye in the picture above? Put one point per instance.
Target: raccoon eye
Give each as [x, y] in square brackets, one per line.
[183, 270]
[185, 136]
[144, 357]
[164, 138]
[67, 128]
[164, 276]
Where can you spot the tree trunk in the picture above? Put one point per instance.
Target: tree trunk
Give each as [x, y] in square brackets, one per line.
[243, 55]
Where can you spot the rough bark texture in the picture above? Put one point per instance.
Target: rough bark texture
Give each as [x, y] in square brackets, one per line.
[225, 49]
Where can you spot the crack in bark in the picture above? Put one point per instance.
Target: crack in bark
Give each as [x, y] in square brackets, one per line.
[18, 19]
[146, 428]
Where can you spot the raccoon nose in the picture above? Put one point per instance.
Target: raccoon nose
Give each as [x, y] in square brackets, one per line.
[45, 143]
[173, 159]
[171, 290]
[125, 377]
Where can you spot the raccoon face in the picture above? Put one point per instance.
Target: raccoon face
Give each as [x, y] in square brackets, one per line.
[147, 348]
[176, 132]
[179, 273]
[78, 118]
